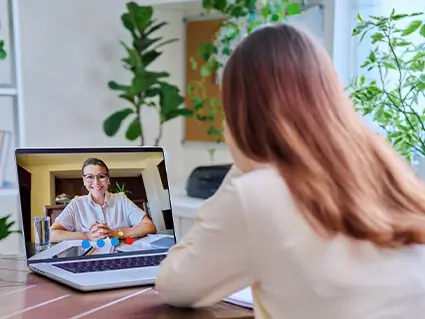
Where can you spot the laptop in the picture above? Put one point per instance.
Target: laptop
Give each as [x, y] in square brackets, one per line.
[95, 218]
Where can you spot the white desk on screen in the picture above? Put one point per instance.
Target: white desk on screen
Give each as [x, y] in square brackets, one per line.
[139, 244]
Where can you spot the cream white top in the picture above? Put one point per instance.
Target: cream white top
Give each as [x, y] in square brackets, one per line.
[250, 233]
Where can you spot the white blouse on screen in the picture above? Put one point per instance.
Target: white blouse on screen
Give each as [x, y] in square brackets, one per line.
[118, 212]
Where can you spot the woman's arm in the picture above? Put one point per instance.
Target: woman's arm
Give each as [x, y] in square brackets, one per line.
[139, 221]
[213, 260]
[64, 226]
[59, 233]
[145, 227]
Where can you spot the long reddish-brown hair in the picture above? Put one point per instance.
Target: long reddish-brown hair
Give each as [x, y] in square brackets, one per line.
[284, 104]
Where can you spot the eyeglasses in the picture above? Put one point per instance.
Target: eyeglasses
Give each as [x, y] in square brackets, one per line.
[90, 178]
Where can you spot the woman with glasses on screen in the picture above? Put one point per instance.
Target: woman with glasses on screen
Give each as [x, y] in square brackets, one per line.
[100, 214]
[319, 215]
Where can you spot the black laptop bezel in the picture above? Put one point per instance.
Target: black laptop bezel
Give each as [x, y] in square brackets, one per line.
[92, 150]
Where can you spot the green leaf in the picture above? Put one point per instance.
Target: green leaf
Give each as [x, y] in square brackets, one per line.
[170, 101]
[220, 5]
[205, 51]
[399, 16]
[372, 57]
[190, 88]
[205, 70]
[128, 23]
[193, 63]
[377, 37]
[412, 27]
[197, 103]
[152, 92]
[133, 59]
[144, 80]
[154, 28]
[422, 30]
[113, 123]
[127, 97]
[118, 87]
[359, 17]
[134, 129]
[145, 43]
[3, 53]
[165, 43]
[141, 16]
[293, 8]
[5, 227]
[149, 57]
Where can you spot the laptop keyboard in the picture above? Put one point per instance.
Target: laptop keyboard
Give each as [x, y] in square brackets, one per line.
[112, 264]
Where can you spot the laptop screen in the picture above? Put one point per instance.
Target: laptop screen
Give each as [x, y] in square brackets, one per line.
[93, 203]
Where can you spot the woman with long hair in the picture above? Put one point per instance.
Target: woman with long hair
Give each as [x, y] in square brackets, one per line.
[319, 215]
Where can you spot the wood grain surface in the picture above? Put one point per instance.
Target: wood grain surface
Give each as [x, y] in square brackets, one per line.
[24, 294]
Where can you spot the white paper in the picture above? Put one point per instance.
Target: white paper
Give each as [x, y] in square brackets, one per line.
[106, 249]
[144, 243]
[242, 298]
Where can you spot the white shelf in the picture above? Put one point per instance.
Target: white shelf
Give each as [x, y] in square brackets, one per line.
[8, 91]
[9, 191]
[183, 205]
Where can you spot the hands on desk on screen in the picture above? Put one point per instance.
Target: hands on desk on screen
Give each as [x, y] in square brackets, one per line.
[99, 230]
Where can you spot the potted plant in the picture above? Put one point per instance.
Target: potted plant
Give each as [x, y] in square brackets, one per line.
[148, 88]
[121, 189]
[391, 86]
[6, 227]
[3, 53]
[243, 18]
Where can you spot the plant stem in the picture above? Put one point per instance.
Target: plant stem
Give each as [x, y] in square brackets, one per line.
[402, 100]
[161, 125]
[142, 137]
[403, 111]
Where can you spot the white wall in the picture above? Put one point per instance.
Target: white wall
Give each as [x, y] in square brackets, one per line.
[70, 52]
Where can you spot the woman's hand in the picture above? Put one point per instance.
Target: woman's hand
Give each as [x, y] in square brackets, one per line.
[99, 230]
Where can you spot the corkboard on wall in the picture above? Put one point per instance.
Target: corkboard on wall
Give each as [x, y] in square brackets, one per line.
[198, 32]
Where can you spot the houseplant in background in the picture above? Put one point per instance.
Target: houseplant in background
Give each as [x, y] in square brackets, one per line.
[3, 53]
[243, 17]
[120, 189]
[391, 88]
[6, 227]
[148, 88]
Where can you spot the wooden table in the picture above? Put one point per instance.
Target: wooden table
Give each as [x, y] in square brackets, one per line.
[24, 294]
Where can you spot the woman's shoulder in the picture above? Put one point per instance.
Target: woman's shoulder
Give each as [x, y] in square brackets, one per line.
[263, 189]
[79, 199]
[264, 179]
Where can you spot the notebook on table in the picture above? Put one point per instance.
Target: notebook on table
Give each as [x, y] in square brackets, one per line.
[242, 298]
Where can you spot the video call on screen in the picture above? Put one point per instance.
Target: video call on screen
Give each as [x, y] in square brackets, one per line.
[77, 205]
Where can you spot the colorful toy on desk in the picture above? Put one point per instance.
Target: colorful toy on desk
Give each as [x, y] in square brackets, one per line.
[115, 242]
[129, 240]
[100, 242]
[86, 244]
